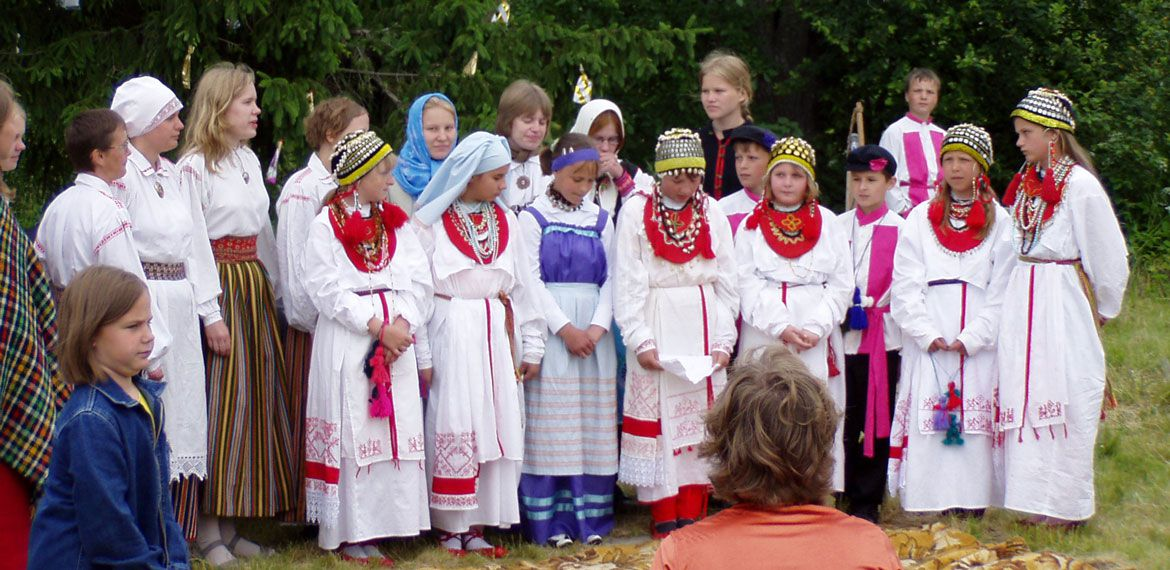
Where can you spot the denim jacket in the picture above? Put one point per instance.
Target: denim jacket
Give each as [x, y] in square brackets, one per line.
[106, 502]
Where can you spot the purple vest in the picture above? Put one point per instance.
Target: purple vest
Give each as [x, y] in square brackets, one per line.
[571, 254]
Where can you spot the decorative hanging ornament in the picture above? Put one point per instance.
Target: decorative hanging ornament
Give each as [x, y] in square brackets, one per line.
[270, 174]
[312, 104]
[187, 66]
[583, 91]
[469, 68]
[503, 13]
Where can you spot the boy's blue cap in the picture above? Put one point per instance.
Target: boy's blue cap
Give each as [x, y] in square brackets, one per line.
[871, 158]
[752, 133]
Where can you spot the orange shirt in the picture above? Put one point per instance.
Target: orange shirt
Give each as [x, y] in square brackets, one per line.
[806, 537]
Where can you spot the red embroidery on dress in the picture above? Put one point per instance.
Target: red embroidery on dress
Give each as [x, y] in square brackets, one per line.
[788, 234]
[1050, 410]
[456, 454]
[416, 444]
[369, 449]
[126, 225]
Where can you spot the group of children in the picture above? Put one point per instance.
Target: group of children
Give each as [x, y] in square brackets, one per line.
[485, 332]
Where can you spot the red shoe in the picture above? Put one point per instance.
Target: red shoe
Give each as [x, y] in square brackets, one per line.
[355, 560]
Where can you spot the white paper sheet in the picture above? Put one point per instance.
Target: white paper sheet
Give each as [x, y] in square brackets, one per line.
[693, 369]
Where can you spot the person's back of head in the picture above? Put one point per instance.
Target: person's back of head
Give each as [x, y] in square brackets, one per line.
[770, 434]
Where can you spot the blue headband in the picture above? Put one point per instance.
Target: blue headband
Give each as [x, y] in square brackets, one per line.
[582, 155]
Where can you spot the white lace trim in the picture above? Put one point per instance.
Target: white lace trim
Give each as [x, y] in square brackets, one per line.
[188, 466]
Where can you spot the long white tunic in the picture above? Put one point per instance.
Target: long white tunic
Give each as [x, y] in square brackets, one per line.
[169, 229]
[686, 309]
[915, 145]
[381, 489]
[299, 202]
[234, 202]
[1052, 364]
[938, 293]
[474, 420]
[87, 225]
[810, 292]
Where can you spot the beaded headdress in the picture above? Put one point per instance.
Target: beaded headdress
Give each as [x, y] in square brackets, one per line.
[796, 151]
[972, 140]
[356, 155]
[1047, 107]
[679, 150]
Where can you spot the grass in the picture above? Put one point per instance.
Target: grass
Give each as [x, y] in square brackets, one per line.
[1131, 528]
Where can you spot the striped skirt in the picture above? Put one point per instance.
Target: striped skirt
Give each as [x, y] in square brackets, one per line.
[297, 349]
[250, 440]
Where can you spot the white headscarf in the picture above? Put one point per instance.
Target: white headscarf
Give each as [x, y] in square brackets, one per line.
[479, 152]
[593, 109]
[144, 103]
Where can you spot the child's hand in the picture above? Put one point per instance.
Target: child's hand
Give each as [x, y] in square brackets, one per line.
[396, 337]
[797, 337]
[595, 333]
[937, 345]
[426, 374]
[576, 341]
[720, 359]
[529, 371]
[649, 360]
[957, 346]
[219, 340]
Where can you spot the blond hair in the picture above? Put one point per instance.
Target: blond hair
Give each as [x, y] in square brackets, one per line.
[922, 74]
[770, 434]
[1067, 143]
[9, 107]
[440, 103]
[97, 296]
[206, 131]
[735, 71]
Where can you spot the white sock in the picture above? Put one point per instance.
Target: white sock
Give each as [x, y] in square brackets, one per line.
[354, 551]
[453, 543]
[244, 548]
[207, 533]
[476, 542]
[372, 551]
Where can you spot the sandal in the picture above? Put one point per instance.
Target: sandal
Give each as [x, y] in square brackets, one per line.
[443, 537]
[205, 554]
[264, 550]
[488, 551]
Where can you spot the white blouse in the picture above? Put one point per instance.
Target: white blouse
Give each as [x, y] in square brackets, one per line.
[518, 198]
[234, 201]
[531, 233]
[299, 203]
[169, 228]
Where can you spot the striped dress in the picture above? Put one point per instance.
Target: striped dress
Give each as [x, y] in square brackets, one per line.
[570, 441]
[250, 441]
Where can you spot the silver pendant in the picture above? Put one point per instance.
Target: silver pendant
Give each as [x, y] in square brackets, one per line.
[523, 182]
[158, 189]
[247, 179]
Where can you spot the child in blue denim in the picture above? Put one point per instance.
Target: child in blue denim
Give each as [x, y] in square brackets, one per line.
[106, 501]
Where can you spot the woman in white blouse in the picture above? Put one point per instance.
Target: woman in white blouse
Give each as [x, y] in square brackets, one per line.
[249, 439]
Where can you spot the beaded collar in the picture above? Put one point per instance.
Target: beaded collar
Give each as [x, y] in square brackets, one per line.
[1034, 201]
[559, 202]
[678, 235]
[369, 243]
[479, 231]
[789, 234]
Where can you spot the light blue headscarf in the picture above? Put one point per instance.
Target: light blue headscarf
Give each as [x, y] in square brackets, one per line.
[415, 165]
[478, 153]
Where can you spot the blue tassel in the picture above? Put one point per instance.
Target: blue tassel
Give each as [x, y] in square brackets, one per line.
[857, 319]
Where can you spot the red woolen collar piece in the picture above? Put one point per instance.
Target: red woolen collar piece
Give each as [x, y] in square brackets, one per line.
[451, 224]
[789, 234]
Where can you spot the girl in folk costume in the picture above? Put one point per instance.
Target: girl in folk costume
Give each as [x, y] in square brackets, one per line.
[571, 456]
[675, 276]
[28, 372]
[249, 448]
[87, 224]
[601, 120]
[486, 336]
[795, 278]
[171, 240]
[522, 118]
[432, 129]
[952, 262]
[1071, 278]
[368, 277]
[300, 201]
[872, 340]
[726, 92]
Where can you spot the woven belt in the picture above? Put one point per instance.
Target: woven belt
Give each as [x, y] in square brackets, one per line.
[164, 271]
[937, 282]
[368, 292]
[234, 249]
[1039, 261]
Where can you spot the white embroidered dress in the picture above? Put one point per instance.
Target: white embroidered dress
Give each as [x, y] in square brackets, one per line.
[1052, 364]
[298, 204]
[939, 293]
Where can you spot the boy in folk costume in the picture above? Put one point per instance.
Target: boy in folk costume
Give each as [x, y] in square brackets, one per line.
[872, 340]
[795, 278]
[1071, 278]
[486, 337]
[949, 272]
[752, 147]
[368, 276]
[676, 281]
[571, 453]
[914, 141]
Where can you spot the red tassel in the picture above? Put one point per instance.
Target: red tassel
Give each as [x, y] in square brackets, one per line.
[935, 213]
[381, 406]
[393, 216]
[954, 400]
[357, 229]
[1009, 197]
[1048, 191]
[978, 216]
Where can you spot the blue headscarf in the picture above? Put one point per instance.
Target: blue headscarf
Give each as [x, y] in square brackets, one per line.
[478, 153]
[415, 165]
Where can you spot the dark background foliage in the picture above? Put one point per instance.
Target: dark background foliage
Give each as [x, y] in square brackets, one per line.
[811, 61]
